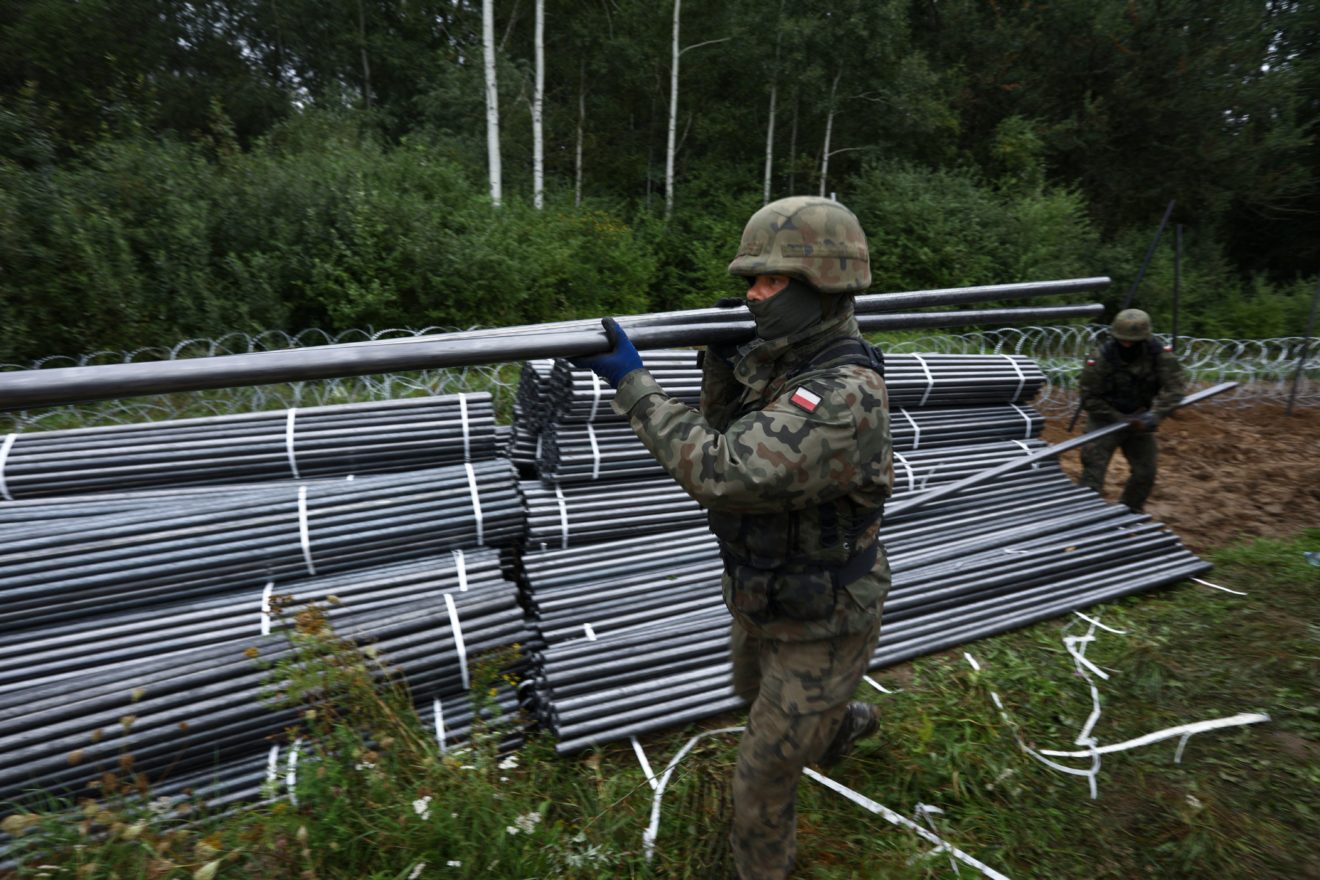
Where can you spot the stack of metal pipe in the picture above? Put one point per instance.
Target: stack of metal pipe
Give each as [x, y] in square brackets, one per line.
[57, 570]
[317, 442]
[195, 708]
[624, 582]
[143, 604]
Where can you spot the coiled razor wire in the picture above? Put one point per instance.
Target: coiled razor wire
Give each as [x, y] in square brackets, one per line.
[1263, 368]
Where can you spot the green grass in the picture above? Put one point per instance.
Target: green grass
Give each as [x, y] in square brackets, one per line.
[1244, 802]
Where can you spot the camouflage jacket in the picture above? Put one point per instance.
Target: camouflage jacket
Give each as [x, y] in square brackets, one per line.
[1113, 389]
[793, 469]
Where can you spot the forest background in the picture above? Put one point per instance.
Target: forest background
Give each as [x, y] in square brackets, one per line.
[177, 168]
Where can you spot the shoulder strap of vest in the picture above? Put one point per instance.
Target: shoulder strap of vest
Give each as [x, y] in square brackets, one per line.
[847, 351]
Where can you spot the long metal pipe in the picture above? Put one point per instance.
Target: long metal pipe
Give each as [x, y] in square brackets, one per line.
[36, 388]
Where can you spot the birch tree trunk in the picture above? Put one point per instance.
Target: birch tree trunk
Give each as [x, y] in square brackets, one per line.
[492, 100]
[581, 126]
[673, 116]
[362, 47]
[769, 144]
[829, 128]
[792, 148]
[538, 95]
[774, 93]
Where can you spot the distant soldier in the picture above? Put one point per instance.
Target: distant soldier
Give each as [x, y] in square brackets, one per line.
[790, 455]
[1133, 378]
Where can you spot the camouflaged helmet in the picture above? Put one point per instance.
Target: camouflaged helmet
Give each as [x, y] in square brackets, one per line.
[814, 239]
[1131, 325]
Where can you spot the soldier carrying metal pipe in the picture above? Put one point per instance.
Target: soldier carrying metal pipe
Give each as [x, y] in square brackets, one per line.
[1133, 378]
[790, 455]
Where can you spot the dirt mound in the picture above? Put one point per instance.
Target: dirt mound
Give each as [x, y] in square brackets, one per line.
[1226, 471]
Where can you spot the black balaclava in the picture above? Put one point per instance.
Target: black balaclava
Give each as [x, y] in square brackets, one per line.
[1129, 353]
[795, 308]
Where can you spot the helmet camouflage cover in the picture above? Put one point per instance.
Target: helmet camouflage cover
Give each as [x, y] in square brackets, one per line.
[1131, 325]
[815, 239]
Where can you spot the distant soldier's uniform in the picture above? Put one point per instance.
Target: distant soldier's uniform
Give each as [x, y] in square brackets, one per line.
[1140, 383]
[790, 455]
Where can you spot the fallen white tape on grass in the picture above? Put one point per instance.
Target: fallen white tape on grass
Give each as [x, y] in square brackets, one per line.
[652, 830]
[895, 819]
[1217, 587]
[1167, 733]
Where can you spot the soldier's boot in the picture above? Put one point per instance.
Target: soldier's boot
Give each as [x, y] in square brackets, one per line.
[859, 720]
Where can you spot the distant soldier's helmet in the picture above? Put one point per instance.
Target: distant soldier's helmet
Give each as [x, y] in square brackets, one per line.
[813, 239]
[1131, 325]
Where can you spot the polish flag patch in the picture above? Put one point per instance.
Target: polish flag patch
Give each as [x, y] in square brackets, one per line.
[804, 399]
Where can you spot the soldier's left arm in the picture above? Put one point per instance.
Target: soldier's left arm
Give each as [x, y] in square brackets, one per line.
[1173, 384]
[801, 449]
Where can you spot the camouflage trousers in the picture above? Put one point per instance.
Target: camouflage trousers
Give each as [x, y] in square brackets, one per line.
[1141, 451]
[799, 693]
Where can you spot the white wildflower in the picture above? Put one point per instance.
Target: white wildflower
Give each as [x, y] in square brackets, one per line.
[417, 871]
[422, 807]
[527, 823]
[509, 763]
[454, 863]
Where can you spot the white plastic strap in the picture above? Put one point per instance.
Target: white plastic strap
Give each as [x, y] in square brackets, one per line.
[265, 608]
[1217, 587]
[595, 452]
[916, 429]
[930, 379]
[1168, 733]
[272, 763]
[291, 779]
[595, 397]
[875, 684]
[303, 532]
[460, 567]
[458, 639]
[653, 829]
[439, 713]
[476, 500]
[4, 456]
[563, 517]
[1022, 377]
[912, 479]
[463, 415]
[1094, 622]
[1026, 418]
[288, 442]
[646, 765]
[895, 819]
[591, 633]
[1027, 449]
[929, 813]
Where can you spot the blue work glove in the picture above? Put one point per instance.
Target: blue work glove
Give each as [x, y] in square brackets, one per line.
[619, 361]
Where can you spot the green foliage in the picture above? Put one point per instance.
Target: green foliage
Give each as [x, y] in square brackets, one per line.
[947, 229]
[316, 226]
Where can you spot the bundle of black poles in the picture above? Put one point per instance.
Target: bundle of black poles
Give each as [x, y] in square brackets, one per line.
[298, 443]
[982, 537]
[26, 389]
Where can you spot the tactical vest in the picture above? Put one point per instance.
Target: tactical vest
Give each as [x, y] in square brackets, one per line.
[1127, 389]
[792, 564]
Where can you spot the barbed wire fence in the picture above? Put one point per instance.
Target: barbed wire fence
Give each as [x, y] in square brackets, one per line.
[1263, 367]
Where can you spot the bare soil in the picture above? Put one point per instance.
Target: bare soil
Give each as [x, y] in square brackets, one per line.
[1225, 472]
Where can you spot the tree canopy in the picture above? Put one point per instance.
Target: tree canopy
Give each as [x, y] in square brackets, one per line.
[169, 168]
